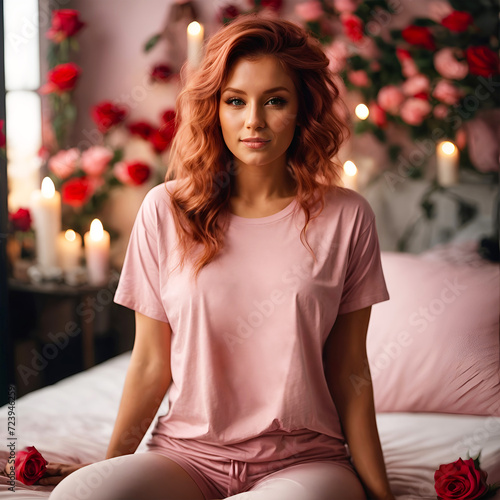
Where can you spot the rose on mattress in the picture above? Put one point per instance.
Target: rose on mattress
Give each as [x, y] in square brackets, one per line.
[463, 480]
[30, 465]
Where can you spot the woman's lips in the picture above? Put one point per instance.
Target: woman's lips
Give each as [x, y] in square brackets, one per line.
[255, 143]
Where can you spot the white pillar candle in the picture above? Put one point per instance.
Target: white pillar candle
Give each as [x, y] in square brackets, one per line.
[96, 242]
[195, 33]
[46, 210]
[350, 175]
[447, 163]
[69, 246]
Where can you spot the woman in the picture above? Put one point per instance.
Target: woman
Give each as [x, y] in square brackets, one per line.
[252, 276]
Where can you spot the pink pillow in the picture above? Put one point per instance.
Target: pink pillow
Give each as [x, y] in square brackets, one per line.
[434, 346]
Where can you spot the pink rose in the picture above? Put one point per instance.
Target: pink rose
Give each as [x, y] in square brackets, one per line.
[440, 111]
[358, 78]
[309, 11]
[337, 53]
[95, 160]
[448, 66]
[348, 6]
[415, 85]
[390, 98]
[446, 92]
[414, 110]
[63, 163]
[408, 66]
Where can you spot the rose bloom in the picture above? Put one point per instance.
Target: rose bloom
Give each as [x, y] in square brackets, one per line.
[390, 98]
[168, 115]
[228, 12]
[460, 480]
[408, 66]
[437, 10]
[141, 128]
[309, 11]
[132, 173]
[377, 115]
[96, 159]
[106, 115]
[62, 78]
[64, 162]
[65, 23]
[482, 61]
[76, 192]
[358, 78]
[21, 220]
[416, 85]
[348, 6]
[353, 27]
[337, 54]
[420, 36]
[440, 111]
[162, 138]
[161, 73]
[2, 135]
[448, 66]
[446, 92]
[414, 110]
[458, 21]
[274, 5]
[30, 465]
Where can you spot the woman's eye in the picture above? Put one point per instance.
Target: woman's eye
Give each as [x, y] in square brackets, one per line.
[276, 101]
[234, 101]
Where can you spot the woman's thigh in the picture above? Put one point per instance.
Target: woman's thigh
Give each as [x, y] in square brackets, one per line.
[308, 481]
[145, 476]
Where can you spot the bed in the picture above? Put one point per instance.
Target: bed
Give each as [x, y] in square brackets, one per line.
[435, 378]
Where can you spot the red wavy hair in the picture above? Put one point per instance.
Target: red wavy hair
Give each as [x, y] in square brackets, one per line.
[202, 164]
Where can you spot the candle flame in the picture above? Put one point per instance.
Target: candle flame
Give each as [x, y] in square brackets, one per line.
[362, 111]
[70, 235]
[448, 147]
[350, 169]
[96, 230]
[48, 188]
[194, 28]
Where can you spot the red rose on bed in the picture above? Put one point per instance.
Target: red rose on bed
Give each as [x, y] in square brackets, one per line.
[62, 78]
[420, 36]
[482, 61]
[30, 465]
[65, 23]
[458, 21]
[460, 480]
[106, 115]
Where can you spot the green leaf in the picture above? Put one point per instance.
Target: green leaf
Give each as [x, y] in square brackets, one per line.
[152, 42]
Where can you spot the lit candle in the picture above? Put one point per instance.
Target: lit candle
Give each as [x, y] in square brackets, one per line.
[96, 242]
[447, 163]
[362, 111]
[46, 210]
[350, 177]
[69, 246]
[195, 34]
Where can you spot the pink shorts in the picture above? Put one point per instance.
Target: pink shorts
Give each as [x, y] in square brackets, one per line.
[225, 470]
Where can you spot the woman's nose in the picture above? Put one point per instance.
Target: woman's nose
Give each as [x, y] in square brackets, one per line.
[255, 116]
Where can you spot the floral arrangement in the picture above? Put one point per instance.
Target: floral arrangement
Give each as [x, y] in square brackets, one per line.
[419, 78]
[462, 480]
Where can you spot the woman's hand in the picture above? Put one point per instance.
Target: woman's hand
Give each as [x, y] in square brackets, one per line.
[56, 472]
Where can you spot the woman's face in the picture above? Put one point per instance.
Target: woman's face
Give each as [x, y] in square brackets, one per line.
[258, 112]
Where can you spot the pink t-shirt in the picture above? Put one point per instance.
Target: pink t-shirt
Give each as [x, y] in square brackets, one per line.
[247, 342]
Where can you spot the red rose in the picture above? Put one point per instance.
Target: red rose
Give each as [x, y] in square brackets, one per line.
[272, 4]
[162, 138]
[482, 61]
[353, 26]
[161, 73]
[61, 79]
[457, 21]
[106, 115]
[132, 173]
[142, 129]
[77, 191]
[168, 116]
[21, 220]
[460, 481]
[420, 36]
[65, 23]
[30, 465]
[228, 12]
[377, 115]
[2, 135]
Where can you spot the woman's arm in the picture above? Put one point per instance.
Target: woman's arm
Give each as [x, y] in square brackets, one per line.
[147, 380]
[346, 363]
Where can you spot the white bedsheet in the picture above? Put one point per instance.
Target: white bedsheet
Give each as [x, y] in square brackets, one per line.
[72, 421]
